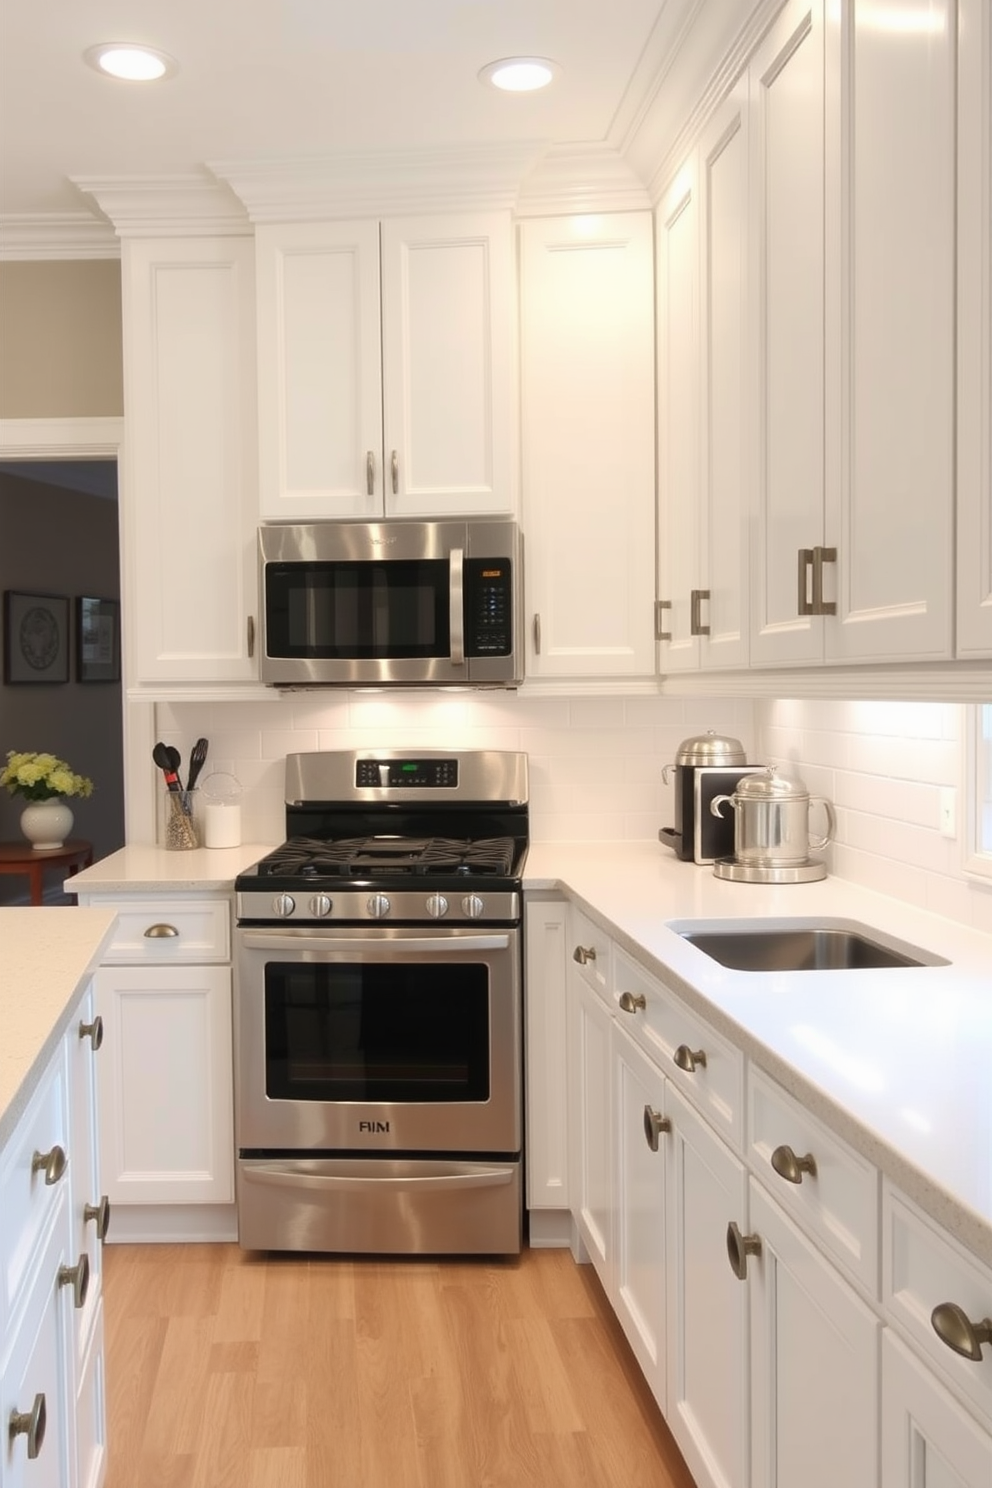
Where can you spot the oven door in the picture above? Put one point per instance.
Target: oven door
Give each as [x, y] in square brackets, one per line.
[383, 1042]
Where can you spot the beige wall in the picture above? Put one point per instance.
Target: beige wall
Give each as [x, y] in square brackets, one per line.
[60, 340]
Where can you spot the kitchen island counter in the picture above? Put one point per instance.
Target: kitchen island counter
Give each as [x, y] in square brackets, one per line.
[46, 954]
[896, 1061]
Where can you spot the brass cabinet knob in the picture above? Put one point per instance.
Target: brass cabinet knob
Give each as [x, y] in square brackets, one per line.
[790, 1167]
[31, 1424]
[953, 1326]
[101, 1214]
[654, 1125]
[584, 954]
[78, 1277]
[53, 1164]
[93, 1031]
[160, 932]
[689, 1059]
[739, 1247]
[632, 1002]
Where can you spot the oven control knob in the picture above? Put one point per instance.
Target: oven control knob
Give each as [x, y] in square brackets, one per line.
[321, 906]
[472, 906]
[437, 906]
[283, 905]
[379, 906]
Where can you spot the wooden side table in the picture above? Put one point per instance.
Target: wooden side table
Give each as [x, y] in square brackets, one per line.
[31, 862]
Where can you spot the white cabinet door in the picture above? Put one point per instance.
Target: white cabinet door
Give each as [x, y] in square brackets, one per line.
[34, 1382]
[319, 370]
[928, 1440]
[640, 1158]
[88, 1210]
[189, 487]
[385, 367]
[707, 1306]
[814, 1363]
[547, 1064]
[974, 570]
[588, 420]
[447, 348]
[890, 506]
[787, 185]
[590, 1126]
[165, 1084]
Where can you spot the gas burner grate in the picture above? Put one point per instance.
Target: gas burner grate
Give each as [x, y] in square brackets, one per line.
[361, 857]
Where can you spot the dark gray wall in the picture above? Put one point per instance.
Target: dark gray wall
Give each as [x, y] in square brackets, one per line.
[59, 541]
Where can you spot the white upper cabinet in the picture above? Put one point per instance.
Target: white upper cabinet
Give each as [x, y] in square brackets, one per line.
[189, 488]
[587, 431]
[974, 573]
[702, 465]
[386, 382]
[852, 201]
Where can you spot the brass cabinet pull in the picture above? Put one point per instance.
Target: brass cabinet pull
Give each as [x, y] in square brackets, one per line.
[696, 626]
[78, 1277]
[632, 1002]
[537, 635]
[689, 1059]
[160, 932]
[584, 954]
[53, 1164]
[31, 1424]
[804, 605]
[790, 1167]
[820, 557]
[251, 636]
[953, 1326]
[394, 466]
[654, 1125]
[370, 473]
[93, 1031]
[739, 1247]
[661, 605]
[101, 1214]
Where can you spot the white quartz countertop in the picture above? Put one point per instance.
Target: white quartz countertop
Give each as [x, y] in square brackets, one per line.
[46, 954]
[136, 870]
[898, 1061]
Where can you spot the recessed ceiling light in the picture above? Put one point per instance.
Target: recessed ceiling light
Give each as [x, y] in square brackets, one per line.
[519, 74]
[132, 63]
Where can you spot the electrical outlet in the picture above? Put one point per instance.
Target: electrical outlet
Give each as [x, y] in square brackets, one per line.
[948, 811]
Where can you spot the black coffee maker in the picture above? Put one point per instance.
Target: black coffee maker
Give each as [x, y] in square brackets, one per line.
[704, 766]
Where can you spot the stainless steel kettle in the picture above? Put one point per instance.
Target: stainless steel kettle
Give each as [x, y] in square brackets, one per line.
[771, 820]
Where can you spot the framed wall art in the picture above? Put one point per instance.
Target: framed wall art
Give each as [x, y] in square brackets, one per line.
[36, 637]
[98, 640]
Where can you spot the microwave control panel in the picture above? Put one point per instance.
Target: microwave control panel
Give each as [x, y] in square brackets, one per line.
[488, 607]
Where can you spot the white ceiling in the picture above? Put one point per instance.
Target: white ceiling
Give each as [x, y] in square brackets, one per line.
[306, 79]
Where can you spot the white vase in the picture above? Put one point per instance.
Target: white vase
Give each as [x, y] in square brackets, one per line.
[46, 823]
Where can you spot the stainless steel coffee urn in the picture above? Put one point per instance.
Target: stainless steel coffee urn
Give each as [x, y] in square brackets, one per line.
[704, 765]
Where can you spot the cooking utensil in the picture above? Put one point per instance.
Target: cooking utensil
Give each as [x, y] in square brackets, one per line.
[175, 760]
[162, 755]
[197, 759]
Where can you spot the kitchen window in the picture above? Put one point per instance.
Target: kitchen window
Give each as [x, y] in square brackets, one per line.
[980, 783]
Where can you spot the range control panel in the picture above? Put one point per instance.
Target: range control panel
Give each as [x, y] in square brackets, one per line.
[439, 774]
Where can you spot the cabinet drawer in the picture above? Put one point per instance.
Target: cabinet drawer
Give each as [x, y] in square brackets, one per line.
[160, 931]
[30, 1203]
[837, 1202]
[697, 1059]
[590, 950]
[922, 1268]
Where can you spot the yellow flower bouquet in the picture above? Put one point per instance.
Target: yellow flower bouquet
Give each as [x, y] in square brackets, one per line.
[42, 777]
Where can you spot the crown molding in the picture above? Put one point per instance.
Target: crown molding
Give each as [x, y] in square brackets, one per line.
[166, 206]
[948, 681]
[66, 438]
[580, 178]
[380, 183]
[56, 235]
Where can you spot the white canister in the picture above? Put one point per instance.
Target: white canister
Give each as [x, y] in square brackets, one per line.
[220, 813]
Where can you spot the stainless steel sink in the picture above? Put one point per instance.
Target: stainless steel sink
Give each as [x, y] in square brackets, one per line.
[804, 947]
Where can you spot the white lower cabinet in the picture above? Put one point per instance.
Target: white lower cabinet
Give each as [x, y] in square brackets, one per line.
[547, 1072]
[928, 1440]
[591, 1168]
[814, 1363]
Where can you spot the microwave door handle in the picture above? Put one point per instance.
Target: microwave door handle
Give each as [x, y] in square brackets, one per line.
[456, 563]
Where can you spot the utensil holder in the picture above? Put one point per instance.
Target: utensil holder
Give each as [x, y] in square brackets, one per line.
[179, 827]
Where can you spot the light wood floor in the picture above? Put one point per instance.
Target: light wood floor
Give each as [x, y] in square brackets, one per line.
[228, 1370]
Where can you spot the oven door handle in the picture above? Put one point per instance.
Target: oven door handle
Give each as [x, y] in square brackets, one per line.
[290, 1175]
[303, 940]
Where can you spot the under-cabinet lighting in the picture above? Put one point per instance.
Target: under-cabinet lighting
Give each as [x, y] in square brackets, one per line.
[130, 62]
[519, 74]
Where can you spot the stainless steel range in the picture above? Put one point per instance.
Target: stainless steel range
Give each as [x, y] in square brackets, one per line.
[378, 992]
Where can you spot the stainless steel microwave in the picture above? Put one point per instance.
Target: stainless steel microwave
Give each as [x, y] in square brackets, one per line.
[392, 604]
